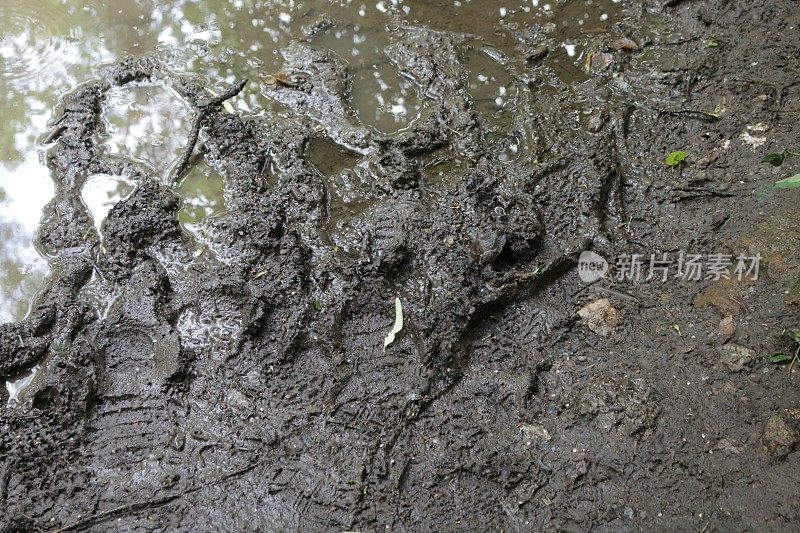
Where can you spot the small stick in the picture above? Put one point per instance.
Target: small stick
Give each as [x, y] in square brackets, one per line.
[202, 109]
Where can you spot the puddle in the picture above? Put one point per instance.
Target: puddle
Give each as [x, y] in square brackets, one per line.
[202, 192]
[35, 41]
[380, 96]
[20, 385]
[148, 123]
[48, 46]
[330, 158]
[25, 188]
[101, 193]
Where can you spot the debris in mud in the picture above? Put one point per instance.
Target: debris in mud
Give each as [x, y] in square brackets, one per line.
[753, 135]
[736, 357]
[280, 79]
[780, 437]
[398, 323]
[726, 327]
[537, 54]
[600, 316]
[599, 61]
[535, 432]
[597, 121]
[627, 406]
[625, 43]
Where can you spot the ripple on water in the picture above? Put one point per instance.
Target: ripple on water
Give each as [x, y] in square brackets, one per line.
[33, 41]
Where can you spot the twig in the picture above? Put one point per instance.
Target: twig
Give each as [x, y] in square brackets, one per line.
[187, 153]
[203, 108]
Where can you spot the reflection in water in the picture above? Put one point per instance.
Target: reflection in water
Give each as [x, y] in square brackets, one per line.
[380, 96]
[102, 192]
[17, 386]
[202, 194]
[148, 123]
[48, 46]
[34, 42]
[25, 187]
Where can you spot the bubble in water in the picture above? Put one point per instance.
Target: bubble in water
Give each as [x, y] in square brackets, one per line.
[199, 47]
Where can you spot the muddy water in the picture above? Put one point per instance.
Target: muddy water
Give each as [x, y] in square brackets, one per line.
[49, 46]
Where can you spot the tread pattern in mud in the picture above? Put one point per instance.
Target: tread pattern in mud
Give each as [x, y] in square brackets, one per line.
[242, 380]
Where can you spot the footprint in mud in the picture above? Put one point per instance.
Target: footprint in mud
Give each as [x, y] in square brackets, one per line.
[208, 367]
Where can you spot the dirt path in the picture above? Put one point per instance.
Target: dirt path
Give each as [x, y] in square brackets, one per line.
[243, 383]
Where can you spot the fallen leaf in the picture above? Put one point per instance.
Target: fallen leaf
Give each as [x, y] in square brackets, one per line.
[676, 157]
[779, 359]
[789, 183]
[625, 44]
[774, 159]
[398, 324]
[280, 79]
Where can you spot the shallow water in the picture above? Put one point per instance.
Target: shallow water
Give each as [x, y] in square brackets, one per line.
[49, 46]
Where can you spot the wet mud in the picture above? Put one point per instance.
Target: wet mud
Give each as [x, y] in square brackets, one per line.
[228, 371]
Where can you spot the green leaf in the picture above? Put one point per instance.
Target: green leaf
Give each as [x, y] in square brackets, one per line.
[789, 183]
[676, 157]
[795, 335]
[318, 305]
[712, 42]
[774, 159]
[398, 323]
[779, 359]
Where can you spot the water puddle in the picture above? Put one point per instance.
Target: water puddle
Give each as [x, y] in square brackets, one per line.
[330, 158]
[203, 195]
[35, 42]
[25, 188]
[101, 193]
[18, 386]
[380, 96]
[148, 123]
[48, 46]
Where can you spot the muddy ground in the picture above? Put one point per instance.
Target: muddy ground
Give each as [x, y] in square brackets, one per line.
[243, 384]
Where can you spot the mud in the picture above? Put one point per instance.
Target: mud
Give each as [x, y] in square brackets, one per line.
[233, 377]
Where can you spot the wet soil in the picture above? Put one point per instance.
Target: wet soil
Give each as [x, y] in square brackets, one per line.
[232, 375]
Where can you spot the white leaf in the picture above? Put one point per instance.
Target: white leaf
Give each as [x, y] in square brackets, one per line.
[398, 323]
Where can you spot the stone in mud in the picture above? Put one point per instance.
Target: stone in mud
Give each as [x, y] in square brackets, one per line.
[727, 327]
[597, 121]
[625, 44]
[779, 437]
[600, 316]
[736, 357]
[535, 432]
